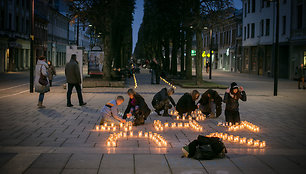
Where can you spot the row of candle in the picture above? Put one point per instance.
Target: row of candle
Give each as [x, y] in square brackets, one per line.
[168, 83]
[112, 127]
[242, 125]
[135, 81]
[192, 124]
[237, 139]
[157, 138]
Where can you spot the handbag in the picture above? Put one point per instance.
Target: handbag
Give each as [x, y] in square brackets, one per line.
[42, 79]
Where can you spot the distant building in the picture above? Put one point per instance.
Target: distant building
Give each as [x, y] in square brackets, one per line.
[226, 42]
[14, 35]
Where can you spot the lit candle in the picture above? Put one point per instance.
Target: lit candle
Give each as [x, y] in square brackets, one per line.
[256, 143]
[125, 129]
[121, 124]
[146, 134]
[262, 144]
[105, 124]
[140, 133]
[114, 128]
[112, 124]
[166, 124]
[131, 133]
[114, 143]
[177, 117]
[108, 143]
[97, 127]
[124, 134]
[183, 118]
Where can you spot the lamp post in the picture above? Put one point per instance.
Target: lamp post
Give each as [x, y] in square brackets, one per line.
[276, 57]
[32, 49]
[210, 50]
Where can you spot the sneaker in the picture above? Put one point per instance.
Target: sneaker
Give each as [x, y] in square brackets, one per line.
[82, 104]
[185, 150]
[69, 105]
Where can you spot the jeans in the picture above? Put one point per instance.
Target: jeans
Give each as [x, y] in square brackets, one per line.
[69, 92]
[41, 97]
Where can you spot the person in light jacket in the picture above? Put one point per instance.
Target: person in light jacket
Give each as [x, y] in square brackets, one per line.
[41, 69]
[109, 112]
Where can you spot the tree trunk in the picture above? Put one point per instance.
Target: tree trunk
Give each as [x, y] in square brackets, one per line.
[188, 54]
[182, 52]
[107, 57]
[174, 55]
[167, 57]
[199, 65]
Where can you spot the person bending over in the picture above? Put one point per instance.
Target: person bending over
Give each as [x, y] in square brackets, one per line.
[143, 110]
[210, 103]
[161, 101]
[109, 112]
[186, 103]
[231, 98]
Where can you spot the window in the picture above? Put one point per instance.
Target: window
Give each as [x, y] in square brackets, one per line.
[253, 6]
[249, 6]
[245, 9]
[244, 33]
[299, 16]
[262, 27]
[248, 28]
[267, 27]
[284, 25]
[253, 30]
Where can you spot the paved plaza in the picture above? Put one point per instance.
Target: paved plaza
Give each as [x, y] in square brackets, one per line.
[58, 139]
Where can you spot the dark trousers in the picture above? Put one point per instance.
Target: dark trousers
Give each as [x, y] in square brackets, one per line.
[232, 116]
[79, 91]
[161, 105]
[50, 82]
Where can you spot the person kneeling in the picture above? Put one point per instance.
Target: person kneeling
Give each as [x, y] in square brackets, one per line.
[186, 103]
[109, 112]
[137, 107]
[210, 103]
[161, 101]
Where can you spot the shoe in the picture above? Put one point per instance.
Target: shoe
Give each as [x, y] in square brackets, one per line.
[69, 105]
[185, 150]
[40, 105]
[84, 103]
[158, 112]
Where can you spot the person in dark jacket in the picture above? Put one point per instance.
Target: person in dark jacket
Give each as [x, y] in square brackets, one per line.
[155, 67]
[161, 101]
[51, 72]
[186, 103]
[73, 78]
[210, 103]
[137, 105]
[231, 98]
[300, 76]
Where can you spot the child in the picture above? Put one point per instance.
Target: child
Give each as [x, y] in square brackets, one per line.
[231, 97]
[109, 112]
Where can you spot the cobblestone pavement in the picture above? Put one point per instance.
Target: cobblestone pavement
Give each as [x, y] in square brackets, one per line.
[63, 140]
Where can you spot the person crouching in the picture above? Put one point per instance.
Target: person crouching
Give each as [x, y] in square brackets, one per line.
[211, 103]
[231, 98]
[186, 104]
[109, 112]
[161, 101]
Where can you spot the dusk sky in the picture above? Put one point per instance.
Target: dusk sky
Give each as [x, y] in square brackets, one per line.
[139, 14]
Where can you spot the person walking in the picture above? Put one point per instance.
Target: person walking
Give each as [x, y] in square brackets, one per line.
[211, 103]
[231, 98]
[301, 76]
[41, 80]
[73, 78]
[155, 67]
[110, 112]
[161, 101]
[51, 72]
[186, 104]
[136, 107]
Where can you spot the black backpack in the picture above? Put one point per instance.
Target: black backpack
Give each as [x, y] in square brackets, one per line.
[206, 148]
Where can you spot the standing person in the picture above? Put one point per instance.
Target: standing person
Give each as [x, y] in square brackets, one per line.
[161, 101]
[210, 103]
[301, 76]
[155, 71]
[186, 103]
[231, 98]
[41, 72]
[73, 78]
[51, 72]
[137, 105]
[110, 112]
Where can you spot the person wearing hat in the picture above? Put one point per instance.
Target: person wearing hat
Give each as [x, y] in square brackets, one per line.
[186, 104]
[231, 98]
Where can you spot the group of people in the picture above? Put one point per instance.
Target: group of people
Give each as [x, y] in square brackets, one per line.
[44, 73]
[210, 104]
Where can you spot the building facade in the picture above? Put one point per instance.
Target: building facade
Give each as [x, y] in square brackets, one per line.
[259, 26]
[14, 35]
